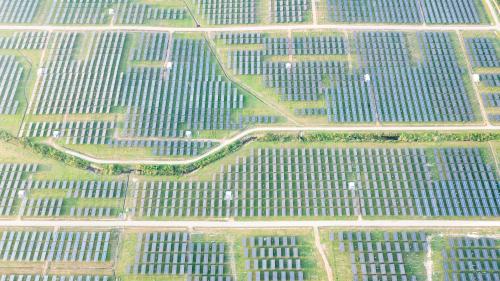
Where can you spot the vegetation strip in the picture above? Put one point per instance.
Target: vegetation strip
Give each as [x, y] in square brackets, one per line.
[178, 170]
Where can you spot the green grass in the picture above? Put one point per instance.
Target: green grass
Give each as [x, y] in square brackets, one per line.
[98, 203]
[437, 245]
[462, 62]
[414, 265]
[254, 102]
[48, 169]
[207, 173]
[485, 15]
[29, 60]
[126, 252]
[42, 12]
[45, 193]
[153, 278]
[339, 261]
[259, 100]
[311, 261]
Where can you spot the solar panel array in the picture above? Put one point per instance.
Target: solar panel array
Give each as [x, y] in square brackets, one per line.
[310, 111]
[451, 11]
[70, 86]
[320, 182]
[494, 117]
[381, 258]
[11, 72]
[468, 259]
[277, 46]
[13, 178]
[273, 258]
[290, 10]
[411, 11]
[432, 91]
[232, 38]
[138, 13]
[297, 81]
[80, 11]
[152, 47]
[467, 186]
[492, 99]
[227, 11]
[257, 119]
[190, 96]
[84, 188]
[490, 80]
[168, 147]
[482, 52]
[75, 132]
[377, 11]
[245, 62]
[319, 45]
[18, 11]
[281, 46]
[396, 90]
[388, 86]
[174, 253]
[87, 12]
[185, 97]
[43, 207]
[350, 100]
[299, 45]
[13, 277]
[247, 11]
[63, 206]
[67, 246]
[25, 40]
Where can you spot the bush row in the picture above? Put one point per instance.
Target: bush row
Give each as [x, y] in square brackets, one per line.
[381, 137]
[178, 170]
[48, 151]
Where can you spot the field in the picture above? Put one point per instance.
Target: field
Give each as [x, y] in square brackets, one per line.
[249, 140]
[140, 254]
[119, 109]
[265, 180]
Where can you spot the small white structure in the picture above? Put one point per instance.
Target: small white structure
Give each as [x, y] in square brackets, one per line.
[367, 77]
[21, 193]
[169, 65]
[352, 185]
[476, 78]
[229, 195]
[189, 134]
[41, 71]
[56, 134]
[111, 12]
[288, 65]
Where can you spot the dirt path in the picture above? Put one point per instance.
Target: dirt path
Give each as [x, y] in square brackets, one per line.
[314, 12]
[242, 134]
[37, 82]
[428, 259]
[324, 257]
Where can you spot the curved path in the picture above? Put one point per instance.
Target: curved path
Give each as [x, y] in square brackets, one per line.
[226, 142]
